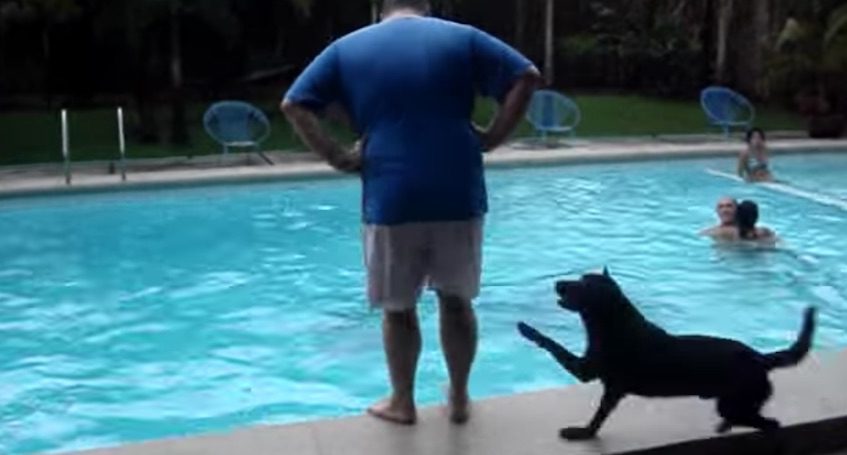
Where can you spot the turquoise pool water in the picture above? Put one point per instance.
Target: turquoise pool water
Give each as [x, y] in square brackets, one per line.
[136, 316]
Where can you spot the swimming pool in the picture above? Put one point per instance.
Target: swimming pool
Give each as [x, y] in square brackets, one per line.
[153, 314]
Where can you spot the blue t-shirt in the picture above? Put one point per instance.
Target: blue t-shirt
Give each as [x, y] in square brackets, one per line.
[409, 85]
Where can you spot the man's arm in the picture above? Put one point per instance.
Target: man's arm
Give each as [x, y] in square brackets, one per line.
[308, 127]
[767, 234]
[511, 111]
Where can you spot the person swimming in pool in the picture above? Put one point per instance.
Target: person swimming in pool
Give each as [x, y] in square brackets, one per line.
[746, 217]
[753, 165]
[726, 228]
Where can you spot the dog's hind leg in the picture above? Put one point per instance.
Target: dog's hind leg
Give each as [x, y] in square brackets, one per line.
[756, 421]
[609, 402]
[577, 366]
[743, 407]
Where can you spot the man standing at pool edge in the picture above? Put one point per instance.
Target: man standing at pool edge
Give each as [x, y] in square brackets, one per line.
[409, 85]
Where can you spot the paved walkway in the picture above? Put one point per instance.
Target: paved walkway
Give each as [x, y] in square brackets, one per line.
[811, 400]
[40, 179]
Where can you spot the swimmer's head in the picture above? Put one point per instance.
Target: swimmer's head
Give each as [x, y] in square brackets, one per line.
[746, 216]
[726, 210]
[756, 138]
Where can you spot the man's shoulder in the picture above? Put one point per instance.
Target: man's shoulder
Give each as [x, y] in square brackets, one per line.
[766, 232]
[721, 232]
[357, 34]
[451, 25]
[441, 24]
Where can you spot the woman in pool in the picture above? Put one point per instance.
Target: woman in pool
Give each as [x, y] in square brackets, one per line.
[753, 163]
[746, 217]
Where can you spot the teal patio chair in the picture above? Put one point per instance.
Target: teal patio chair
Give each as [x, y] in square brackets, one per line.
[551, 113]
[727, 109]
[236, 124]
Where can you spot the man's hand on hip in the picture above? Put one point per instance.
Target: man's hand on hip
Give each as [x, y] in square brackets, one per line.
[484, 138]
[309, 128]
[349, 161]
[511, 110]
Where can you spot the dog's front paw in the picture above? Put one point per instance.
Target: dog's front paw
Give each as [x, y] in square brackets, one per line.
[529, 333]
[576, 434]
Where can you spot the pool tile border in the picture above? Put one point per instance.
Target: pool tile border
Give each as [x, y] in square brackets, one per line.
[582, 152]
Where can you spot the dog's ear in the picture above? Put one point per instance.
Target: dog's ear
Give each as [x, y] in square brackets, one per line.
[606, 272]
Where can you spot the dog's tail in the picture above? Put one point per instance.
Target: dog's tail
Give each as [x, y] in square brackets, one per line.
[797, 352]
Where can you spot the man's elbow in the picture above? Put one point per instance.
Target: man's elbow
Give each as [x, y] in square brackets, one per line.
[533, 78]
[528, 82]
[288, 107]
[534, 74]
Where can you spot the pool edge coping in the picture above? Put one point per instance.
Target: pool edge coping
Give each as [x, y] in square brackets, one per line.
[810, 400]
[585, 154]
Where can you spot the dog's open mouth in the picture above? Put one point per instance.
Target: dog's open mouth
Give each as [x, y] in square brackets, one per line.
[564, 290]
[566, 304]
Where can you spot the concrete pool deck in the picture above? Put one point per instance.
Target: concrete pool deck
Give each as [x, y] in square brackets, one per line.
[811, 401]
[105, 176]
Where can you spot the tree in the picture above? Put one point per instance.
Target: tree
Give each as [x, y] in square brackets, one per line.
[751, 45]
[761, 46]
[812, 52]
[141, 22]
[725, 14]
[520, 23]
[280, 12]
[216, 12]
[45, 14]
[549, 42]
[179, 129]
[706, 41]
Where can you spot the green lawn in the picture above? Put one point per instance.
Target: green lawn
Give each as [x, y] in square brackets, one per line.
[35, 136]
[28, 137]
[637, 116]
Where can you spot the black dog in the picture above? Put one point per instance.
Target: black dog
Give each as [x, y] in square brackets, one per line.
[630, 355]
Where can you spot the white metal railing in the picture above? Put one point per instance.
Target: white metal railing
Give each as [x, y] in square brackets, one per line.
[66, 153]
[66, 149]
[122, 143]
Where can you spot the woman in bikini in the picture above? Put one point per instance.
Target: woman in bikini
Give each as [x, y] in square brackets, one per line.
[753, 163]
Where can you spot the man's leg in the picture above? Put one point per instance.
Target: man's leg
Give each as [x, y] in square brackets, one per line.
[401, 336]
[395, 260]
[455, 274]
[459, 341]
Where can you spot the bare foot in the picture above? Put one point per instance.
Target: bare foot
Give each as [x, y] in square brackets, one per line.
[394, 411]
[458, 406]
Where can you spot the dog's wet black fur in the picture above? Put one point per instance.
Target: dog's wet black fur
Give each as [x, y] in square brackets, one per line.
[633, 356]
